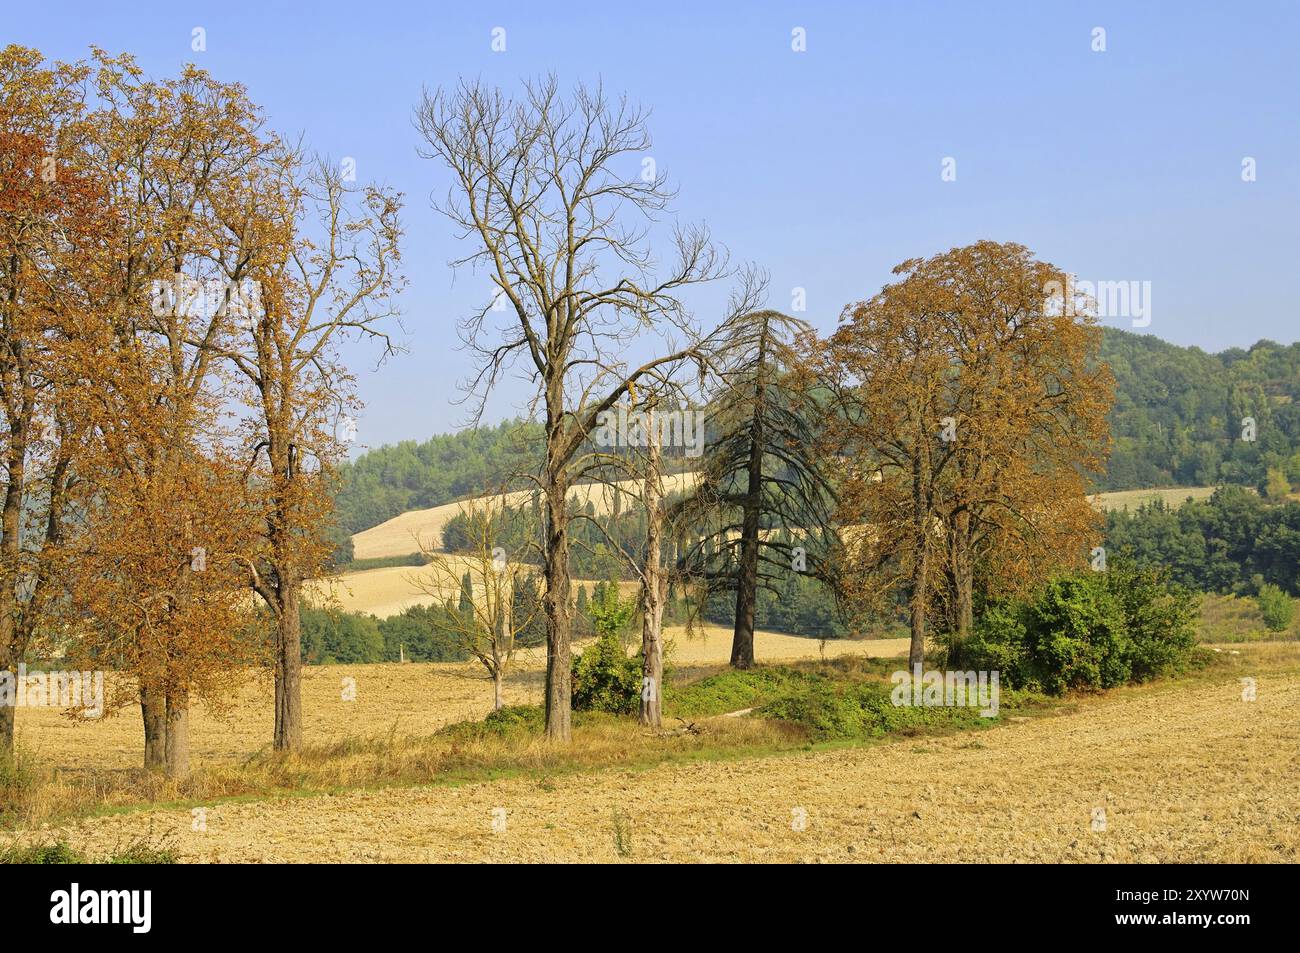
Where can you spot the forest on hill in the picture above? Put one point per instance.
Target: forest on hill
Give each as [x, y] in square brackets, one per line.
[1177, 421]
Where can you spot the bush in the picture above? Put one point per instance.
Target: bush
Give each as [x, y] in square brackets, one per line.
[832, 711]
[606, 678]
[1275, 606]
[1087, 631]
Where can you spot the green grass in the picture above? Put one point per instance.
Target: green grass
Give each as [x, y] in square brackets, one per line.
[840, 699]
[1238, 619]
[58, 852]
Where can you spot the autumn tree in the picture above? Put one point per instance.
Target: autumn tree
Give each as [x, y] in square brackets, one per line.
[1031, 431]
[762, 474]
[52, 224]
[968, 414]
[173, 155]
[323, 256]
[538, 186]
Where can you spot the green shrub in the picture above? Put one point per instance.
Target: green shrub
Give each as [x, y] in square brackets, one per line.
[606, 678]
[1086, 630]
[56, 853]
[832, 711]
[736, 689]
[503, 723]
[1275, 606]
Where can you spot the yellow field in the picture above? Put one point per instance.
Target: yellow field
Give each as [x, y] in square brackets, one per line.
[410, 699]
[389, 591]
[386, 592]
[1184, 773]
[415, 530]
[1132, 499]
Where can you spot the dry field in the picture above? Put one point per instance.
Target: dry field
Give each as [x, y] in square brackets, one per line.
[392, 589]
[1132, 499]
[1184, 772]
[417, 529]
[410, 699]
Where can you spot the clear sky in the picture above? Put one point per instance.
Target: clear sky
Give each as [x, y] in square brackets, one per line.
[823, 166]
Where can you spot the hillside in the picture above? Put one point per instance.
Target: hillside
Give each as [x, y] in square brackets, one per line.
[1176, 422]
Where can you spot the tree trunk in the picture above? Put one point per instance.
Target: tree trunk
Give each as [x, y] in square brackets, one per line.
[153, 710]
[742, 640]
[916, 651]
[920, 563]
[559, 677]
[963, 583]
[288, 669]
[7, 713]
[178, 736]
[653, 588]
[11, 651]
[498, 698]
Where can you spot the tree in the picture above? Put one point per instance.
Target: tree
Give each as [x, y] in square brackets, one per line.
[564, 237]
[52, 223]
[171, 156]
[763, 475]
[972, 409]
[323, 256]
[1029, 403]
[489, 623]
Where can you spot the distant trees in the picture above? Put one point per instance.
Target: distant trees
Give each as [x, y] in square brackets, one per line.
[1178, 415]
[562, 231]
[1229, 543]
[389, 480]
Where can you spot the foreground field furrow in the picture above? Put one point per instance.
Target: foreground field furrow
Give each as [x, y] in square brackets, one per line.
[1186, 773]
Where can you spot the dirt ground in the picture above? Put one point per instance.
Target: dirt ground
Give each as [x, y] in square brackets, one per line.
[410, 699]
[1189, 773]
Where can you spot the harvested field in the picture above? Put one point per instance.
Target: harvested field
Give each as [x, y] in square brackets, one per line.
[1185, 772]
[410, 699]
[411, 530]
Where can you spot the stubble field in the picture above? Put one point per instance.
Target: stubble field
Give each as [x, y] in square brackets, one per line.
[1185, 771]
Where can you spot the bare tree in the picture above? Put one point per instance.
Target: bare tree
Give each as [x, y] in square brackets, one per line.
[565, 237]
[486, 623]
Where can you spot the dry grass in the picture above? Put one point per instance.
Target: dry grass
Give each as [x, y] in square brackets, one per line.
[1186, 771]
[1238, 619]
[83, 764]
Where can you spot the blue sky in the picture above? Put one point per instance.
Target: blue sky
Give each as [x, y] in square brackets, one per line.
[822, 166]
